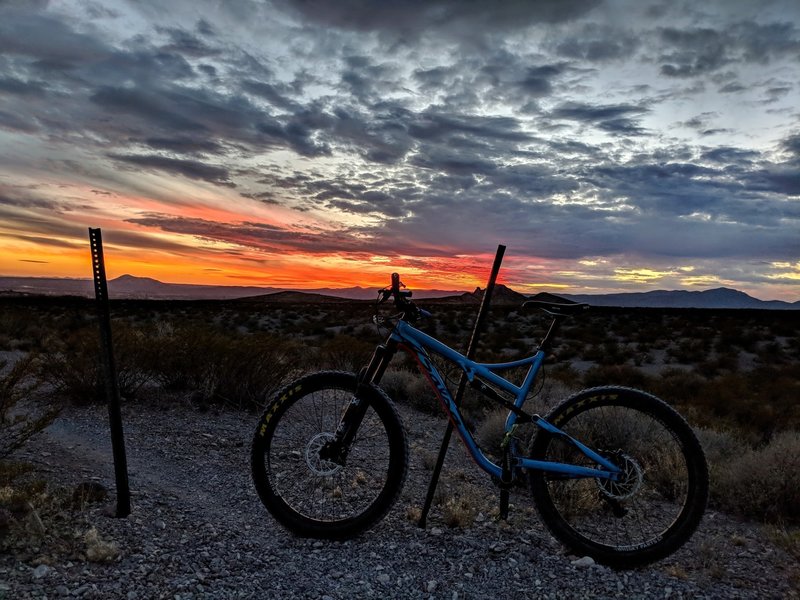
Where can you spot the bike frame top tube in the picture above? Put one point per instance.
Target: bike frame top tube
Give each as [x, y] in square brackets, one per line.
[414, 340]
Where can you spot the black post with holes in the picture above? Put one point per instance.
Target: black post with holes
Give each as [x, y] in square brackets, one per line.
[462, 384]
[111, 382]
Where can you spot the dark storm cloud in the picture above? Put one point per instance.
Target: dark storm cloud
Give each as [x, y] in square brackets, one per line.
[699, 51]
[192, 169]
[183, 145]
[24, 201]
[260, 236]
[780, 179]
[274, 94]
[464, 19]
[730, 156]
[619, 118]
[439, 126]
[596, 43]
[46, 38]
[153, 108]
[146, 93]
[17, 123]
[18, 87]
[792, 145]
[186, 43]
[696, 52]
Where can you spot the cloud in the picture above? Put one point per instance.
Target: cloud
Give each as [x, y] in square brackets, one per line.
[595, 42]
[457, 19]
[698, 51]
[46, 38]
[420, 129]
[619, 118]
[257, 236]
[192, 169]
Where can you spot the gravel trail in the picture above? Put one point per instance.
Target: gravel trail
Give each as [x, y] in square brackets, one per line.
[198, 530]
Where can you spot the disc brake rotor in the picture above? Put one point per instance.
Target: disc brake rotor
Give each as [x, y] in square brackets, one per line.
[318, 465]
[628, 482]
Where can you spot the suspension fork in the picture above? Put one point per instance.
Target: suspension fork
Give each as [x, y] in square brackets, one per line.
[338, 448]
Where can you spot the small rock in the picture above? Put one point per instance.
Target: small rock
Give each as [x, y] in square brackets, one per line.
[41, 571]
[431, 586]
[436, 531]
[583, 563]
[384, 578]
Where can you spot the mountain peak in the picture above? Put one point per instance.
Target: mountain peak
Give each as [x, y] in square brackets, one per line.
[134, 279]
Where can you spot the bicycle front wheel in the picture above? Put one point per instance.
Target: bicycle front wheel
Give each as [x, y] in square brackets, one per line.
[316, 497]
[657, 501]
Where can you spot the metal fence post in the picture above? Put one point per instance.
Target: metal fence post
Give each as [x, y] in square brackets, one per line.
[110, 374]
[462, 382]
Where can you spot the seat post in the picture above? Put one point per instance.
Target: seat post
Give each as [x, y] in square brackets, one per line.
[547, 340]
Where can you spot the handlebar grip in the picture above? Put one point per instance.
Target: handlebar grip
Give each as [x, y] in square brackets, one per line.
[395, 282]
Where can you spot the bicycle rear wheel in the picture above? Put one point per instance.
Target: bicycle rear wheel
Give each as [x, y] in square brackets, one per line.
[316, 497]
[659, 499]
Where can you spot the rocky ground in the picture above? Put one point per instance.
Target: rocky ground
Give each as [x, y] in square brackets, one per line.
[198, 530]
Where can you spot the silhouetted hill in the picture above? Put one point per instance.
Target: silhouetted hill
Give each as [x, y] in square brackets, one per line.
[501, 296]
[290, 297]
[716, 298]
[130, 286]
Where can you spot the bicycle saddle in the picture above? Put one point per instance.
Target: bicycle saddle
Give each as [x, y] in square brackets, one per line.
[555, 305]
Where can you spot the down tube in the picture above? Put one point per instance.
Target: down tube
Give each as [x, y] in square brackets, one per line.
[455, 416]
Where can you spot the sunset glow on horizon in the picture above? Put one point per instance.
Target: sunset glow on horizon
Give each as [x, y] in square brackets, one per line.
[611, 146]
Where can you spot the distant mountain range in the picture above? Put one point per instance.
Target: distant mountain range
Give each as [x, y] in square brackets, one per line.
[716, 298]
[129, 286]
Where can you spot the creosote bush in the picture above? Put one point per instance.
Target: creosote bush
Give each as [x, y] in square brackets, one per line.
[214, 366]
[410, 388]
[71, 364]
[22, 413]
[763, 483]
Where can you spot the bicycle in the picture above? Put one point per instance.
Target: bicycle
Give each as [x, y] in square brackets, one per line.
[615, 473]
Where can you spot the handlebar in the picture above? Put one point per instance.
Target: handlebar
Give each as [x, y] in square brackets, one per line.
[402, 299]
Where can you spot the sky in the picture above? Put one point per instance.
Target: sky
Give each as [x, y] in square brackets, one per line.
[611, 146]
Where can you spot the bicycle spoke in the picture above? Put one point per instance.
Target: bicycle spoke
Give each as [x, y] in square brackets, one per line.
[318, 494]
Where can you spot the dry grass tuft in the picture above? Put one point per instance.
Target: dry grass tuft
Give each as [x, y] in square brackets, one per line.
[459, 512]
[98, 550]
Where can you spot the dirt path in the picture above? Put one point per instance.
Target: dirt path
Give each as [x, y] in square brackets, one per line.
[197, 530]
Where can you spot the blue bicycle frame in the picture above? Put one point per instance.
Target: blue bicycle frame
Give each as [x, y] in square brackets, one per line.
[418, 343]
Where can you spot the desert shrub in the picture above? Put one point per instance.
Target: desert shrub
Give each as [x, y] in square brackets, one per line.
[21, 413]
[72, 363]
[490, 432]
[616, 375]
[181, 357]
[689, 351]
[762, 483]
[410, 388]
[564, 373]
[71, 367]
[345, 352]
[241, 370]
[678, 386]
[720, 447]
[249, 368]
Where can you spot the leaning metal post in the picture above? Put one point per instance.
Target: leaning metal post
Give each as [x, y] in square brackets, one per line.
[110, 374]
[462, 383]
